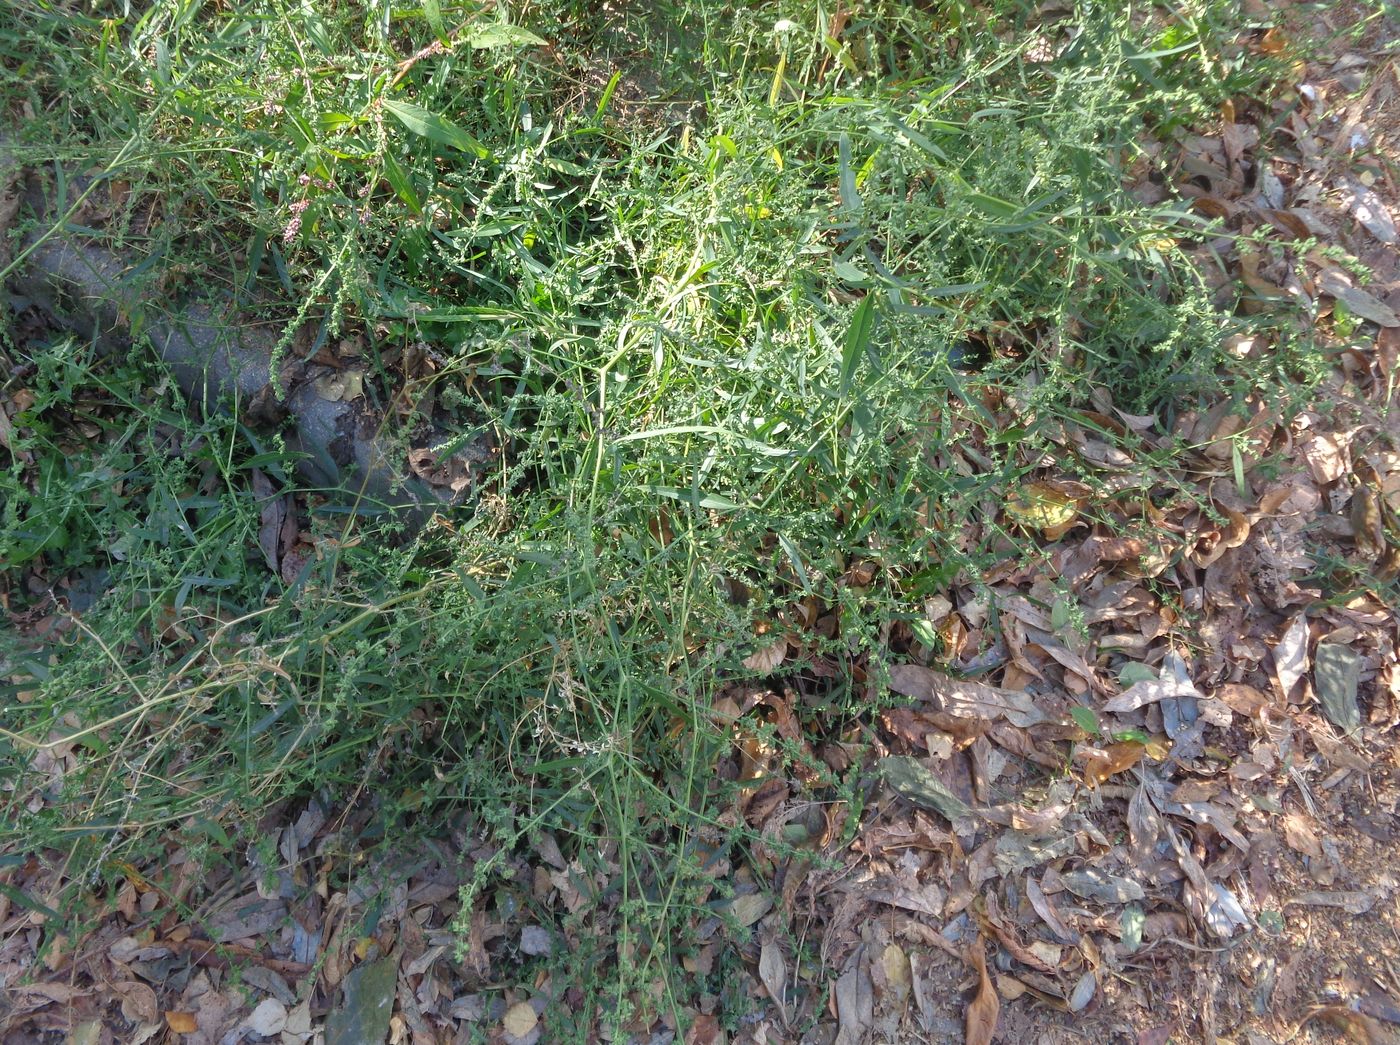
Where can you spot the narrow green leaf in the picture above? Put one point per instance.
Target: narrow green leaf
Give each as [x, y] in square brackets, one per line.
[28, 902]
[435, 128]
[991, 206]
[697, 499]
[607, 96]
[400, 182]
[857, 340]
[432, 10]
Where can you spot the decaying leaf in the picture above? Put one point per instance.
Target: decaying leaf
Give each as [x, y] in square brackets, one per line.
[1336, 677]
[985, 1008]
[921, 787]
[855, 1001]
[520, 1019]
[965, 698]
[1093, 884]
[772, 971]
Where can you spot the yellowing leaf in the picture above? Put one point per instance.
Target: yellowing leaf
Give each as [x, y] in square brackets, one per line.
[1043, 507]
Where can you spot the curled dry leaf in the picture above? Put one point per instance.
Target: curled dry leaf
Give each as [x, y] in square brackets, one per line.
[1291, 656]
[984, 1009]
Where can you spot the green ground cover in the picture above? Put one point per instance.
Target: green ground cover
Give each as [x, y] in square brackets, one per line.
[771, 309]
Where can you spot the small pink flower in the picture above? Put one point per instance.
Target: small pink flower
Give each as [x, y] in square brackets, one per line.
[294, 225]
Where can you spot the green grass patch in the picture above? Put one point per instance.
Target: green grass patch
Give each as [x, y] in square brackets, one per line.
[779, 316]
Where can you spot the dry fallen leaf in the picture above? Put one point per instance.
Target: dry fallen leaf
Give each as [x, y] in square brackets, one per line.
[1361, 303]
[520, 1019]
[772, 970]
[964, 697]
[767, 657]
[855, 1001]
[985, 1008]
[181, 1022]
[1112, 760]
[1291, 656]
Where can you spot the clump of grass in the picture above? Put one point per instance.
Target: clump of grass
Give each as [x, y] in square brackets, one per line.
[732, 357]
